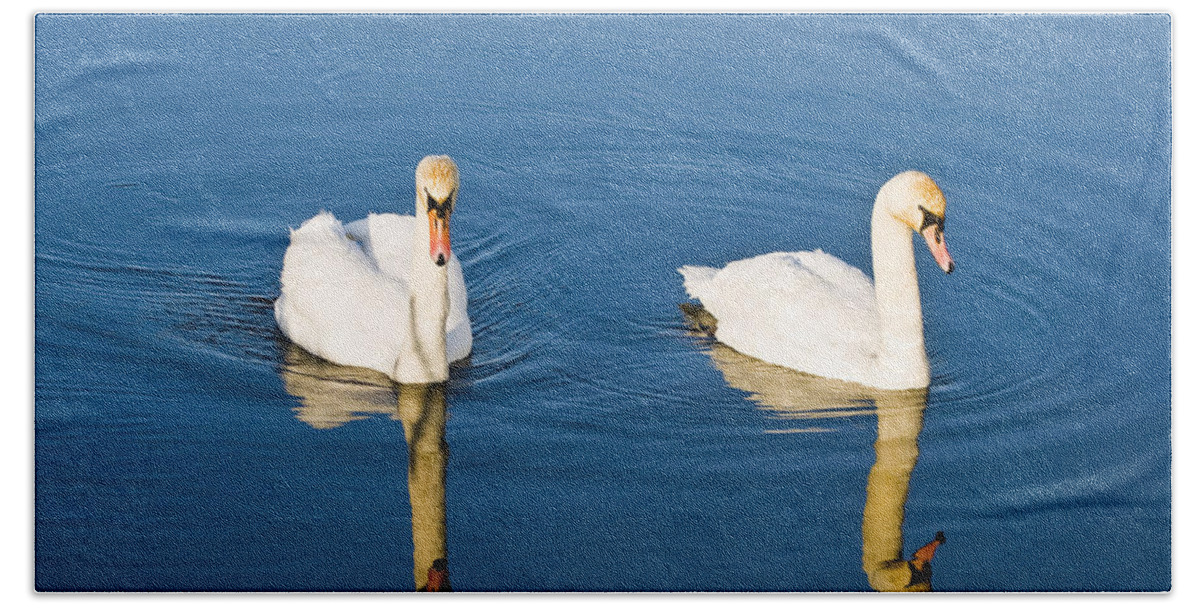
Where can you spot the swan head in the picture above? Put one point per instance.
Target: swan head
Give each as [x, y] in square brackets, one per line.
[916, 201]
[437, 191]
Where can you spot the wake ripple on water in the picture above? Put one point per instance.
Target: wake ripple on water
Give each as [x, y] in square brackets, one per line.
[227, 315]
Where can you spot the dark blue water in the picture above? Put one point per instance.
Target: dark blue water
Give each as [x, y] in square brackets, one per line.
[594, 442]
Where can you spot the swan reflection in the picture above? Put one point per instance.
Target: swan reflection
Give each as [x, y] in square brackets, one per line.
[900, 416]
[332, 395]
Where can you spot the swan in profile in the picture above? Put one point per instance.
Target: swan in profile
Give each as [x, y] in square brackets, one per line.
[385, 292]
[812, 312]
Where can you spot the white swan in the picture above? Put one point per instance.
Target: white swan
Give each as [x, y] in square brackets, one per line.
[384, 292]
[812, 312]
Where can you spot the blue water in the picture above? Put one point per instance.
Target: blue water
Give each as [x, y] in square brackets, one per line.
[593, 441]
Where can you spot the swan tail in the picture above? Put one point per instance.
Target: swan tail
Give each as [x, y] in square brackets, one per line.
[699, 319]
[696, 280]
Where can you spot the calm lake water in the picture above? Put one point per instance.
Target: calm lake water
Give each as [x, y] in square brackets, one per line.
[593, 441]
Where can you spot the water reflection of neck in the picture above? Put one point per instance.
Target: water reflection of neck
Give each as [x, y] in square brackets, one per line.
[422, 409]
[900, 419]
[900, 416]
[333, 395]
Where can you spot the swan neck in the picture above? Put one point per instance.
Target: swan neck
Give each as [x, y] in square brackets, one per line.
[898, 299]
[430, 280]
[430, 302]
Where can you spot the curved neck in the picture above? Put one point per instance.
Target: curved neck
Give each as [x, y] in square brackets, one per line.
[901, 330]
[430, 306]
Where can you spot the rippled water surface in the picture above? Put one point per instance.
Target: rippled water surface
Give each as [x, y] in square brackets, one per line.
[593, 441]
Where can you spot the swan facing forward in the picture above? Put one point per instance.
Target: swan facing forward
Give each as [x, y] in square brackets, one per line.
[812, 312]
[385, 292]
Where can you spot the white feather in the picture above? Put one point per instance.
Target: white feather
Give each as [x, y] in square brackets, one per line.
[805, 310]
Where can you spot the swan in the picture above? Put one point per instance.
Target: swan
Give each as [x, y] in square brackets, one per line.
[812, 312]
[384, 292]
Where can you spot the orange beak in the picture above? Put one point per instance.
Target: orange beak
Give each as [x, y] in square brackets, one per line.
[937, 246]
[439, 238]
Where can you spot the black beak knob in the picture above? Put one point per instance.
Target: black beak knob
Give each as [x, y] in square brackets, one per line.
[441, 261]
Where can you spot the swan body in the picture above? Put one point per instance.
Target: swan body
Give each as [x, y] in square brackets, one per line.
[384, 292]
[757, 301]
[812, 312]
